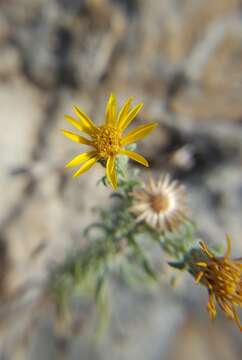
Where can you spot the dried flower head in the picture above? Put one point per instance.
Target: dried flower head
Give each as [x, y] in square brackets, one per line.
[222, 276]
[107, 140]
[161, 204]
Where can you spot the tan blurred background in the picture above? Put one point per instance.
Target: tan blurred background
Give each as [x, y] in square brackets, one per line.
[183, 59]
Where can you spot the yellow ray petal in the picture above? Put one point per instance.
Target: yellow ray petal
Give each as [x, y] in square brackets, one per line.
[77, 124]
[204, 247]
[138, 133]
[123, 112]
[89, 163]
[211, 306]
[134, 156]
[86, 121]
[111, 172]
[199, 276]
[228, 251]
[130, 117]
[111, 110]
[80, 158]
[76, 138]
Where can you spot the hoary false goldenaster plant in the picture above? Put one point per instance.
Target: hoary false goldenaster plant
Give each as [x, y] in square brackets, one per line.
[108, 139]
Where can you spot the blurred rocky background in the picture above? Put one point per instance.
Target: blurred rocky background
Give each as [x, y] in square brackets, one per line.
[183, 59]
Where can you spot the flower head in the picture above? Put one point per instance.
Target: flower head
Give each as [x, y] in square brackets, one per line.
[108, 139]
[161, 204]
[222, 276]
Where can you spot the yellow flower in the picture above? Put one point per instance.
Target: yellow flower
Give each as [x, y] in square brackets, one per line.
[222, 276]
[108, 139]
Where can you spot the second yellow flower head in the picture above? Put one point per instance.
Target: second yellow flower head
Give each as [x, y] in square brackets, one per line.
[107, 140]
[223, 278]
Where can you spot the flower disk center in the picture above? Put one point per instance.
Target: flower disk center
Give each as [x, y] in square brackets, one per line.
[159, 203]
[107, 141]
